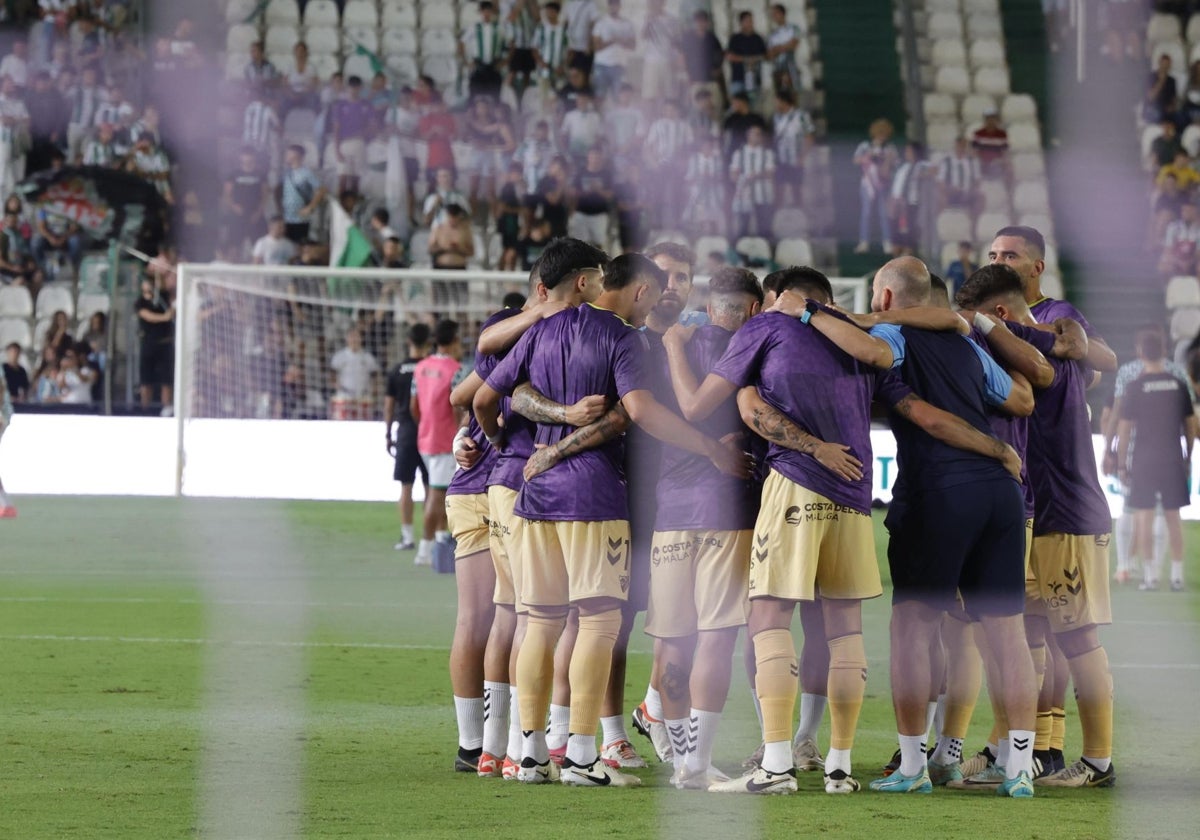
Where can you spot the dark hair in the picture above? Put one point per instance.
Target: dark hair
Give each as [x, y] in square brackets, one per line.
[627, 268]
[674, 251]
[382, 215]
[565, 257]
[485, 5]
[1032, 237]
[786, 96]
[297, 148]
[418, 335]
[803, 279]
[456, 211]
[11, 345]
[744, 15]
[445, 333]
[986, 283]
[1150, 343]
[731, 280]
[553, 6]
[513, 300]
[938, 284]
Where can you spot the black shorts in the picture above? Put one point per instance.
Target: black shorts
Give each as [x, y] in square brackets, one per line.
[296, 232]
[157, 364]
[411, 169]
[787, 174]
[409, 463]
[967, 539]
[1165, 483]
[522, 61]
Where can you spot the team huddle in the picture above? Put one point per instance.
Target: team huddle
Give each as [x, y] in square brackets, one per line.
[616, 458]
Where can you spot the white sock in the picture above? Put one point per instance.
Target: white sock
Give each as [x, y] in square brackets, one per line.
[581, 749]
[406, 533]
[681, 743]
[533, 745]
[654, 703]
[1002, 751]
[837, 760]
[469, 711]
[704, 725]
[441, 536]
[949, 751]
[777, 756]
[930, 714]
[514, 725]
[424, 548]
[912, 754]
[560, 720]
[1176, 571]
[613, 729]
[1124, 535]
[1020, 753]
[812, 709]
[495, 717]
[994, 749]
[939, 718]
[1100, 764]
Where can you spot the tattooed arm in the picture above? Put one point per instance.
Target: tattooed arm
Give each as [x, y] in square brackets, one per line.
[530, 404]
[590, 436]
[954, 431]
[774, 426]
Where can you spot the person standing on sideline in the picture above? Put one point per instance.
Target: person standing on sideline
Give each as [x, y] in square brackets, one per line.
[403, 444]
[430, 408]
[1159, 410]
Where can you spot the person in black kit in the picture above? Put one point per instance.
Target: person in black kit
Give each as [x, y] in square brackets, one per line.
[15, 374]
[244, 200]
[738, 124]
[156, 326]
[403, 444]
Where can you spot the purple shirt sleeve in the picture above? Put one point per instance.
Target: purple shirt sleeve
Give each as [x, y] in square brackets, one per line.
[1043, 340]
[514, 369]
[629, 369]
[890, 388]
[743, 358]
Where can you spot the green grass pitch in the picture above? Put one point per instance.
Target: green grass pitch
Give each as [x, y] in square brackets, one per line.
[178, 668]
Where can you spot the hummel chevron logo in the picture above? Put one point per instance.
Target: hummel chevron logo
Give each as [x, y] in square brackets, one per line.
[761, 539]
[614, 559]
[1069, 576]
[1076, 588]
[1020, 743]
[760, 556]
[615, 543]
[795, 669]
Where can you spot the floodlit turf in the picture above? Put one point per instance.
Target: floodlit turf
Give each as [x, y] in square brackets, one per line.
[265, 669]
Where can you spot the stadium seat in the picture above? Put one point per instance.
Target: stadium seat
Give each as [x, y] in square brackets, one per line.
[418, 249]
[360, 13]
[282, 11]
[949, 52]
[1173, 48]
[705, 245]
[324, 65]
[15, 302]
[995, 195]
[53, 298]
[1018, 106]
[281, 37]
[1027, 165]
[1024, 137]
[988, 223]
[320, 13]
[933, 6]
[399, 41]
[239, 38]
[1041, 221]
[952, 80]
[439, 14]
[468, 15]
[323, 40]
[984, 25]
[357, 64]
[947, 25]
[665, 235]
[283, 61]
[987, 52]
[941, 134]
[1031, 197]
[793, 251]
[235, 65]
[1163, 27]
[365, 36]
[1183, 291]
[953, 226]
[1149, 134]
[1185, 323]
[438, 41]
[443, 69]
[789, 221]
[1052, 285]
[986, 6]
[399, 13]
[720, 22]
[1192, 33]
[940, 106]
[973, 106]
[404, 68]
[993, 80]
[237, 11]
[15, 329]
[754, 250]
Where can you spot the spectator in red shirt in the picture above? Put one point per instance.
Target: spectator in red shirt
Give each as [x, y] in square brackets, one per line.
[991, 145]
[437, 128]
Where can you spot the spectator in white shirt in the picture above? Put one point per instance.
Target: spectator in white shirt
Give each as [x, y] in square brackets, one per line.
[443, 196]
[274, 248]
[662, 62]
[354, 369]
[959, 177]
[752, 170]
[581, 128]
[580, 16]
[612, 38]
[15, 65]
[792, 130]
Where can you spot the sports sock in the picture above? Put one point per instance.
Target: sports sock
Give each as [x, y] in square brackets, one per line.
[613, 729]
[1176, 571]
[939, 718]
[912, 754]
[533, 745]
[560, 725]
[1058, 728]
[535, 670]
[837, 760]
[949, 750]
[590, 664]
[777, 755]
[495, 717]
[425, 548]
[930, 713]
[1041, 738]
[778, 672]
[654, 703]
[469, 711]
[1093, 695]
[1020, 753]
[1002, 750]
[704, 725]
[679, 731]
[441, 536]
[406, 533]
[1124, 539]
[581, 749]
[812, 709]
[514, 725]
[847, 685]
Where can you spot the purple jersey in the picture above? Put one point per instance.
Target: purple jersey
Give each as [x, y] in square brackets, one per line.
[823, 390]
[475, 480]
[1048, 310]
[1066, 488]
[578, 352]
[693, 494]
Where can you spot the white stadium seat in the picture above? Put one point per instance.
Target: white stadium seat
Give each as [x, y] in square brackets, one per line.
[988, 223]
[974, 105]
[324, 65]
[281, 37]
[443, 69]
[944, 25]
[1031, 197]
[789, 221]
[1183, 291]
[239, 38]
[366, 36]
[323, 40]
[1162, 27]
[984, 25]
[358, 65]
[91, 303]
[239, 10]
[404, 67]
[320, 13]
[949, 52]
[754, 250]
[15, 302]
[952, 80]
[1027, 165]
[793, 251]
[360, 13]
[941, 135]
[940, 106]
[399, 40]
[995, 195]
[1023, 137]
[1040, 221]
[1192, 34]
[1185, 323]
[1018, 106]
[438, 41]
[986, 6]
[953, 226]
[932, 6]
[1174, 49]
[987, 52]
[15, 329]
[993, 80]
[399, 13]
[705, 245]
[440, 14]
[282, 11]
[54, 298]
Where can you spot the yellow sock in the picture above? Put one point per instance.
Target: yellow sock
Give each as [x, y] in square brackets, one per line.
[964, 677]
[590, 664]
[1041, 739]
[1093, 695]
[776, 682]
[535, 669]
[847, 685]
[1058, 728]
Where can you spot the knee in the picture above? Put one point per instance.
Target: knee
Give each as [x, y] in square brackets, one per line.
[1078, 642]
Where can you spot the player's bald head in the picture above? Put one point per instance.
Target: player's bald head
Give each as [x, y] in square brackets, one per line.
[900, 284]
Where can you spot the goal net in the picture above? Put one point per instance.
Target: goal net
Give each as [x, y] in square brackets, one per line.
[281, 371]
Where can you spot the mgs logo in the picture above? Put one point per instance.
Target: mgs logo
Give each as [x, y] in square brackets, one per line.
[792, 515]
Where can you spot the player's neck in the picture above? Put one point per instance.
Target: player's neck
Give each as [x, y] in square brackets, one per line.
[1155, 366]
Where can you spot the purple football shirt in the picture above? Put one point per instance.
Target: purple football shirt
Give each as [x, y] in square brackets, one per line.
[1048, 310]
[578, 352]
[693, 494]
[823, 390]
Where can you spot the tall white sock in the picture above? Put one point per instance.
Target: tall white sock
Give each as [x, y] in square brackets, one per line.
[533, 746]
[777, 756]
[469, 711]
[514, 725]
[560, 720]
[812, 709]
[1020, 753]
[1176, 571]
[949, 751]
[1002, 751]
[441, 536]
[1124, 535]
[406, 533]
[424, 548]
[654, 703]
[581, 749]
[930, 714]
[495, 717]
[912, 754]
[837, 760]
[613, 729]
[939, 718]
[681, 743]
[704, 726]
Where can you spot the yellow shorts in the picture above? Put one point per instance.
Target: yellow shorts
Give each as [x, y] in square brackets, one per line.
[468, 518]
[1072, 578]
[698, 581]
[501, 500]
[1034, 605]
[566, 562]
[807, 546]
